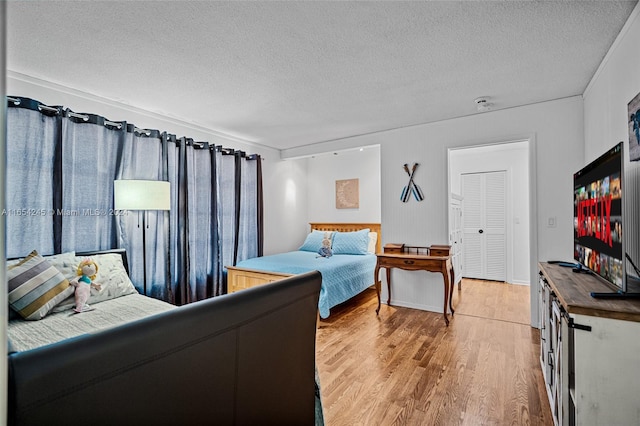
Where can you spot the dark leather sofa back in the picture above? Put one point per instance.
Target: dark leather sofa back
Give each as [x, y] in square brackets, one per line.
[246, 358]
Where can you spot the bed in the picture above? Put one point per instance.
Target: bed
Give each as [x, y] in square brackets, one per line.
[117, 299]
[124, 361]
[344, 274]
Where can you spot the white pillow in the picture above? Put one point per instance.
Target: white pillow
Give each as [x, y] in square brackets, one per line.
[65, 263]
[59, 261]
[112, 277]
[373, 239]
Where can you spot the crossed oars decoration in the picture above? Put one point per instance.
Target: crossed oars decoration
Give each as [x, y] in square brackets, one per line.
[411, 187]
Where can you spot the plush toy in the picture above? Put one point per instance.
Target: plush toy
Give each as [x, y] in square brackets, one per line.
[83, 283]
[325, 250]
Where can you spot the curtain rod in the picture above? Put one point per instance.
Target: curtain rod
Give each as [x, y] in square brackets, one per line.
[48, 108]
[76, 115]
[32, 103]
[17, 101]
[113, 123]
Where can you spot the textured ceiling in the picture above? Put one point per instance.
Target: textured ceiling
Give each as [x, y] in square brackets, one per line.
[289, 74]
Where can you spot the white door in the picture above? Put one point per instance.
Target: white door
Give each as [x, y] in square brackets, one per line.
[484, 225]
[455, 234]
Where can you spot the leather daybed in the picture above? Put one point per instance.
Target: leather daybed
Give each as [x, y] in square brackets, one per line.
[242, 358]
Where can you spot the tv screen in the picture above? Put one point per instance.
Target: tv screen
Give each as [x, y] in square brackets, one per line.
[598, 217]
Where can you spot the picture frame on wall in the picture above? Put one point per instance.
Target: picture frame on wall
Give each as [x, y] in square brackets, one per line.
[347, 194]
[634, 128]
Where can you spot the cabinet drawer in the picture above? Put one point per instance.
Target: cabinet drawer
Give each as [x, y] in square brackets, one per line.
[439, 252]
[409, 263]
[393, 248]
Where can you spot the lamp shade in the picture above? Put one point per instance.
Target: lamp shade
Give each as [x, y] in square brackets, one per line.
[141, 195]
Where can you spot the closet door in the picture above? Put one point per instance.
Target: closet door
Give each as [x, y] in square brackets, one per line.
[484, 225]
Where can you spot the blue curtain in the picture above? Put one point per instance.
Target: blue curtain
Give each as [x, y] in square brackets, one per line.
[227, 210]
[33, 144]
[199, 220]
[217, 193]
[247, 224]
[60, 171]
[142, 158]
[91, 154]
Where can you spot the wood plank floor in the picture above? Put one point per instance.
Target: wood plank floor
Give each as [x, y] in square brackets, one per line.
[404, 367]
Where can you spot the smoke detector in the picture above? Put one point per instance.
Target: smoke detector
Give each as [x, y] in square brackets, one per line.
[483, 104]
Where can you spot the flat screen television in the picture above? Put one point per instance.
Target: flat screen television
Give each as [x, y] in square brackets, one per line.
[599, 217]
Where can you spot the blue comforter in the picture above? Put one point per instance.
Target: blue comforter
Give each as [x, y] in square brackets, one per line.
[343, 275]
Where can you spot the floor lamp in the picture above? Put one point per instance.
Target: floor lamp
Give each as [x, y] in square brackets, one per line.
[141, 195]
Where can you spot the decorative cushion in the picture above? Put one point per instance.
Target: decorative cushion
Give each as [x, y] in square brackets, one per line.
[112, 277]
[36, 287]
[313, 242]
[63, 262]
[351, 242]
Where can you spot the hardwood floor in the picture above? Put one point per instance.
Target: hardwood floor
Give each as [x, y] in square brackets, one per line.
[404, 367]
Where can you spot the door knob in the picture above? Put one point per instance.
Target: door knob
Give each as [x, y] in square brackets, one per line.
[480, 231]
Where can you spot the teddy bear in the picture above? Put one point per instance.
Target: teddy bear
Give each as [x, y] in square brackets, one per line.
[87, 270]
[325, 250]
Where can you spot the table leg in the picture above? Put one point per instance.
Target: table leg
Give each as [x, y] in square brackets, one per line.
[389, 285]
[376, 279]
[445, 276]
[452, 285]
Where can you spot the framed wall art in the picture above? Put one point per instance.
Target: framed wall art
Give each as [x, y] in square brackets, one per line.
[347, 194]
[634, 128]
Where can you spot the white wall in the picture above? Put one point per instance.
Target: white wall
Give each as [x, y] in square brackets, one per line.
[284, 182]
[556, 131]
[606, 119]
[616, 82]
[324, 170]
[514, 159]
[285, 205]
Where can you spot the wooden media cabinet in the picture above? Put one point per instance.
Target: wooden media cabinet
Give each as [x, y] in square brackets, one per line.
[589, 350]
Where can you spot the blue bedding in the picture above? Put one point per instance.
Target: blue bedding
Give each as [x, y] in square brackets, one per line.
[343, 275]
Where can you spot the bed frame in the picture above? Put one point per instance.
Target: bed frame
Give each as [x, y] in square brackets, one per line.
[243, 278]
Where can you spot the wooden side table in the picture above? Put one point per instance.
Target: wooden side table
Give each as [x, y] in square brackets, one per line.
[434, 258]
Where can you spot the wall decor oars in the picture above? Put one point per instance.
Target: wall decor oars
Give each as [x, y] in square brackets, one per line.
[404, 197]
[417, 191]
[411, 187]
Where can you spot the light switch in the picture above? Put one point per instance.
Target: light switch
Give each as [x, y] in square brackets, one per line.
[551, 222]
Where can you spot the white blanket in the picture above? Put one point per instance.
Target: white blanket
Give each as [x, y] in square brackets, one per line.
[25, 335]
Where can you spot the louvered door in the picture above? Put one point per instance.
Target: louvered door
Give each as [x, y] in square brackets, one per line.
[484, 225]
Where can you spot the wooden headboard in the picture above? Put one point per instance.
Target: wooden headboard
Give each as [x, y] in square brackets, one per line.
[350, 227]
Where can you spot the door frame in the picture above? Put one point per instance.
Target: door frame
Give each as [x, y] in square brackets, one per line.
[530, 139]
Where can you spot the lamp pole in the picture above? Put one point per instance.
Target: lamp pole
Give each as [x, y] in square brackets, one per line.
[144, 251]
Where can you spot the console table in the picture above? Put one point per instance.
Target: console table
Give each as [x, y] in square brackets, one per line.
[435, 258]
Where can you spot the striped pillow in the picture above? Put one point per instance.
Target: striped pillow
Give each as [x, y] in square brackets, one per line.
[35, 287]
